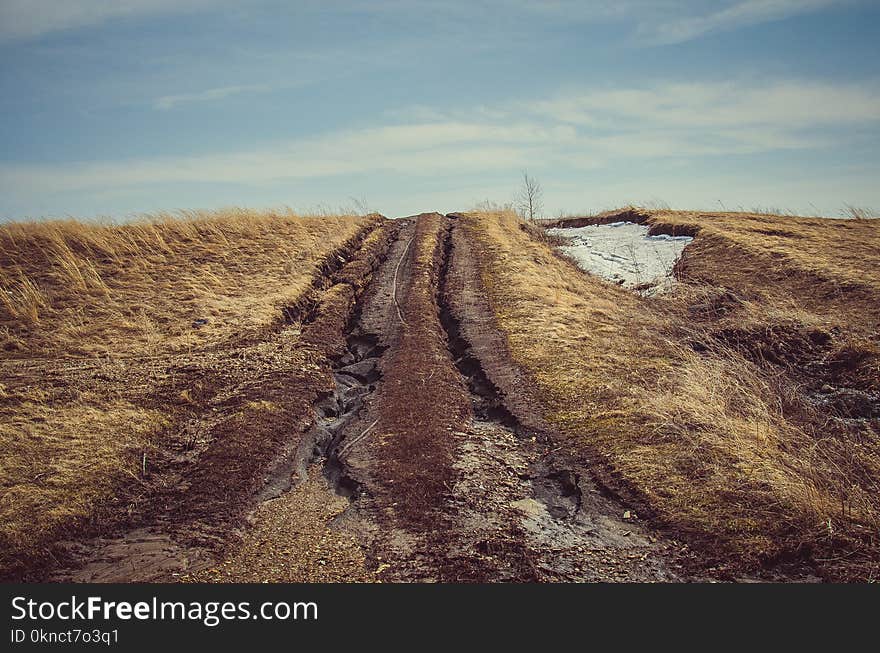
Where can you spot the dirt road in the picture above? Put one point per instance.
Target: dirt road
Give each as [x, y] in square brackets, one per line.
[423, 458]
[447, 482]
[431, 434]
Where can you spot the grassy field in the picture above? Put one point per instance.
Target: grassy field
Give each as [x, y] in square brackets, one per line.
[113, 337]
[736, 409]
[75, 289]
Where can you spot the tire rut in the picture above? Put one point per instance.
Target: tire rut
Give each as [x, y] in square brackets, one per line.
[509, 509]
[523, 513]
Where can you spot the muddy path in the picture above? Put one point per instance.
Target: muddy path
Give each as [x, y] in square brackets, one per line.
[416, 453]
[430, 434]
[233, 445]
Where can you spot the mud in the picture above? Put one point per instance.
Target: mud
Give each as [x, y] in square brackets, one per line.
[397, 453]
[355, 375]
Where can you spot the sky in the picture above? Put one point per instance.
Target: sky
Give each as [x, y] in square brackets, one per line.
[111, 108]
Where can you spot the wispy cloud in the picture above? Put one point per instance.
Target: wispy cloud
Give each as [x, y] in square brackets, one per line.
[700, 119]
[573, 131]
[420, 149]
[785, 104]
[741, 14]
[23, 19]
[669, 22]
[167, 102]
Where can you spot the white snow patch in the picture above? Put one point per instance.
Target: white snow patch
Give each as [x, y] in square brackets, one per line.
[624, 253]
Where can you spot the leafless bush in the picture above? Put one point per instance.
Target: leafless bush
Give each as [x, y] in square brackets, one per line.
[530, 200]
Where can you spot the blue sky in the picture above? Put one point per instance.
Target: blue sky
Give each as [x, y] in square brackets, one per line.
[115, 108]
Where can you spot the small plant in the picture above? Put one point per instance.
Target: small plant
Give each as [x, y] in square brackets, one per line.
[530, 200]
[858, 212]
[489, 206]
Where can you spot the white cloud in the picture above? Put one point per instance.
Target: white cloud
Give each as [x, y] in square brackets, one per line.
[574, 131]
[785, 105]
[740, 14]
[706, 118]
[668, 22]
[170, 101]
[24, 19]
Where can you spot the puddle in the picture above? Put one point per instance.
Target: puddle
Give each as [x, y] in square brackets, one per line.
[624, 253]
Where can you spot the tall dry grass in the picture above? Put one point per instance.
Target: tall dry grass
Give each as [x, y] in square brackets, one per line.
[77, 300]
[76, 288]
[716, 443]
[60, 461]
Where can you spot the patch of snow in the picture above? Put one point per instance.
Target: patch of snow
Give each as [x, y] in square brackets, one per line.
[624, 253]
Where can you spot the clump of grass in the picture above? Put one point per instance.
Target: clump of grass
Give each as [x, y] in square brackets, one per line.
[23, 300]
[859, 212]
[537, 232]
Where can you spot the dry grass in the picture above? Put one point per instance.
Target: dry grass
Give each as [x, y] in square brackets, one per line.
[97, 325]
[832, 252]
[59, 461]
[73, 288]
[859, 212]
[717, 441]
